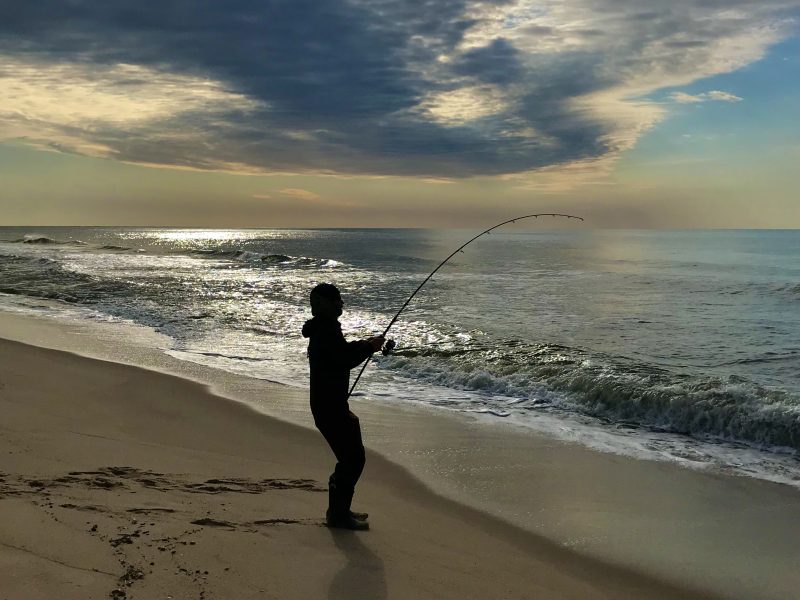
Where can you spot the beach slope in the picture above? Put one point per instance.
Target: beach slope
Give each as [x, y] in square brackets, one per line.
[118, 482]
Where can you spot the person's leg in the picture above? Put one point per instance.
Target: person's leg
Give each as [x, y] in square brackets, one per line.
[349, 451]
[343, 434]
[351, 463]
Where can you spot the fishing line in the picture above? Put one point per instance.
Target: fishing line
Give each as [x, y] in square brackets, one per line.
[390, 343]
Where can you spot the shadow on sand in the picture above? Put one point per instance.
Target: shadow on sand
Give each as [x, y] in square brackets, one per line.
[363, 576]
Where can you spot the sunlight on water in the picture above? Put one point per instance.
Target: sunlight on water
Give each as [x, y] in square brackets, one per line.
[181, 236]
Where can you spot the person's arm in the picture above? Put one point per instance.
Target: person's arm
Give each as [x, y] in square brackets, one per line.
[361, 349]
[339, 351]
[357, 352]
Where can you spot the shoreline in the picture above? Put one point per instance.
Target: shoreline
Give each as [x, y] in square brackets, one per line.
[710, 531]
[124, 481]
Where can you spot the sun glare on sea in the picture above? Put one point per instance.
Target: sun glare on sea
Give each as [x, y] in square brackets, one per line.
[182, 235]
[190, 237]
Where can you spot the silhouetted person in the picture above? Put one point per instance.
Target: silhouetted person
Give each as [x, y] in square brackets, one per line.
[330, 358]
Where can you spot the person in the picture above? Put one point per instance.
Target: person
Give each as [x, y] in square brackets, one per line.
[330, 359]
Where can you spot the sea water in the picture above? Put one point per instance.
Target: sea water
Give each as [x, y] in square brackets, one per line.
[670, 345]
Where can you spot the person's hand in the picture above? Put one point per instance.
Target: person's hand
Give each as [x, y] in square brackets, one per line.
[376, 342]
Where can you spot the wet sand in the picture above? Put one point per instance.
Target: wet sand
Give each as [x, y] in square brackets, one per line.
[126, 483]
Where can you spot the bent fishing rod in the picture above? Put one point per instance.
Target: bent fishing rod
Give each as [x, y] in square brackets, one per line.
[390, 344]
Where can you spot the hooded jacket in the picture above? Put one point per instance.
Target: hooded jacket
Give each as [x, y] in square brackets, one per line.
[330, 358]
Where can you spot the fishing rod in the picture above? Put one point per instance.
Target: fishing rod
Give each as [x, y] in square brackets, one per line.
[390, 343]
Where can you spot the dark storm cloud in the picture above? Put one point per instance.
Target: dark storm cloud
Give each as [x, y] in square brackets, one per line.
[496, 63]
[334, 85]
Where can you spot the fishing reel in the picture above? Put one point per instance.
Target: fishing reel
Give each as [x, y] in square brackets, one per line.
[388, 347]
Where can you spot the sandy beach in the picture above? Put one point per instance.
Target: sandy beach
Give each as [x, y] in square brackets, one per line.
[125, 483]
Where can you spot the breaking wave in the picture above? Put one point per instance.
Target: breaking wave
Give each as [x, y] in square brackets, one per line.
[565, 379]
[37, 239]
[46, 278]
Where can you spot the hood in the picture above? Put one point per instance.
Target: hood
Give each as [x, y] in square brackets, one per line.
[316, 325]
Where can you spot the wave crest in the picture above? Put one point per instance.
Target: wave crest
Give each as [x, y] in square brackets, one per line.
[38, 239]
[559, 378]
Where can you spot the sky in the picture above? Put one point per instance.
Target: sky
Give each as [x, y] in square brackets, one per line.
[411, 113]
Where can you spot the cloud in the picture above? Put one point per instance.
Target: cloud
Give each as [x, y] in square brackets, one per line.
[438, 89]
[299, 194]
[81, 106]
[722, 96]
[684, 98]
[496, 63]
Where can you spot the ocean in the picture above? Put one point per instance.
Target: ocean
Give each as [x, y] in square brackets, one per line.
[680, 346]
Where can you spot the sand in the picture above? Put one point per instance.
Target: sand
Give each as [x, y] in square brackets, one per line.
[119, 482]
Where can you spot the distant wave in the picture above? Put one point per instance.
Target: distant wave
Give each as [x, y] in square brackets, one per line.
[35, 238]
[560, 378]
[113, 247]
[279, 260]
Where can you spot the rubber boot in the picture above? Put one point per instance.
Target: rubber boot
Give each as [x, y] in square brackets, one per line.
[348, 500]
[338, 514]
